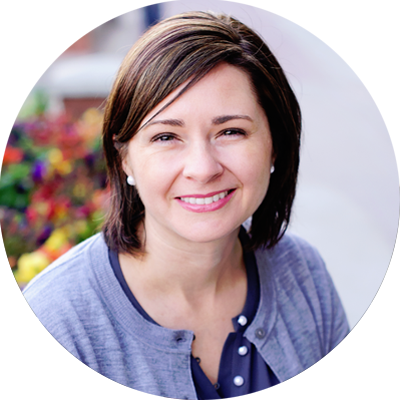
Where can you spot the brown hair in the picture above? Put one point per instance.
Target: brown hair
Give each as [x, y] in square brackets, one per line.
[181, 49]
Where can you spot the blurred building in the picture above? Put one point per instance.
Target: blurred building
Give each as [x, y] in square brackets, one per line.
[82, 76]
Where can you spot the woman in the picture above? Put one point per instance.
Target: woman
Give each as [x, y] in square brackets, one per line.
[175, 297]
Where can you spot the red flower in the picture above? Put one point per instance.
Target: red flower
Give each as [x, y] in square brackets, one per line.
[12, 155]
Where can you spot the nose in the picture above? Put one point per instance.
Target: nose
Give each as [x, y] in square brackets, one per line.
[201, 163]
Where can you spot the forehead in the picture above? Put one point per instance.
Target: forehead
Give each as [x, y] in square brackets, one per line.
[224, 88]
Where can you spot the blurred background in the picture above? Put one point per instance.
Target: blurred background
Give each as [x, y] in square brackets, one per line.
[53, 189]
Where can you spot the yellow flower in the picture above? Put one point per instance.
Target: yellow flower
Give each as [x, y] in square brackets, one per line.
[55, 156]
[64, 167]
[29, 265]
[56, 240]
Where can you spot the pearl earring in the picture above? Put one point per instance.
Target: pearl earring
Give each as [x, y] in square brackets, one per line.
[130, 180]
[272, 169]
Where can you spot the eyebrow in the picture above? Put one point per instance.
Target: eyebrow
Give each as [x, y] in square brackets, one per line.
[215, 121]
[225, 118]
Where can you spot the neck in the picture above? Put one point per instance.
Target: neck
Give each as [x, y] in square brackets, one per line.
[184, 268]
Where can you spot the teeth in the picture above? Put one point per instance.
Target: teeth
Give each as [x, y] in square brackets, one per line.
[204, 200]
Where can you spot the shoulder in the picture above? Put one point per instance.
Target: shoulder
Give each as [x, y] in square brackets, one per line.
[292, 256]
[292, 247]
[304, 291]
[61, 275]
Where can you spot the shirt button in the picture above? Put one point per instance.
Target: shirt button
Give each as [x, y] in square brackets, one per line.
[180, 339]
[238, 380]
[242, 320]
[260, 333]
[243, 350]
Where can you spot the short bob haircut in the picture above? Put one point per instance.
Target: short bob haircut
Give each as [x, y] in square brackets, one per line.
[183, 49]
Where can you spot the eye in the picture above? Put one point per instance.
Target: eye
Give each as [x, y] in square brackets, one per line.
[233, 132]
[163, 137]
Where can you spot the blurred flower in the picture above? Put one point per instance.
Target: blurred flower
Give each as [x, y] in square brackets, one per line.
[56, 240]
[31, 214]
[55, 156]
[43, 208]
[80, 226]
[53, 190]
[90, 159]
[30, 265]
[38, 171]
[82, 212]
[79, 190]
[12, 155]
[100, 199]
[89, 124]
[64, 167]
[61, 209]
[57, 244]
[44, 235]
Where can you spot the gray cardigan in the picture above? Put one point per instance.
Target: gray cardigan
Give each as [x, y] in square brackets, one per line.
[80, 302]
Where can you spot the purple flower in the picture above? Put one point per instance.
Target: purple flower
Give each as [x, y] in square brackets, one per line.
[90, 160]
[38, 171]
[44, 235]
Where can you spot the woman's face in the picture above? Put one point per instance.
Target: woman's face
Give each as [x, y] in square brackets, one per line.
[202, 165]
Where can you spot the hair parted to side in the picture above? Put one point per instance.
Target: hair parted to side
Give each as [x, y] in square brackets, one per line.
[180, 49]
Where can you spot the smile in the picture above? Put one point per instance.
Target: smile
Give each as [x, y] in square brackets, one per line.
[205, 200]
[206, 203]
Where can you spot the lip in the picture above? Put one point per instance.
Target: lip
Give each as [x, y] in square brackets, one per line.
[202, 196]
[200, 208]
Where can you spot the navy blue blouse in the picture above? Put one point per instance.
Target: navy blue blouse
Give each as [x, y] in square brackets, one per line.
[242, 370]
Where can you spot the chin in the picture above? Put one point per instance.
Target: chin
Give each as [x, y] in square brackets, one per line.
[206, 233]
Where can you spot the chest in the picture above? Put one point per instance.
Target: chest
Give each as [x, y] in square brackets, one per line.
[208, 346]
[211, 327]
[211, 324]
[209, 317]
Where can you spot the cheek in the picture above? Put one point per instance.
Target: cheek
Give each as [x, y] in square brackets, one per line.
[154, 175]
[255, 175]
[253, 165]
